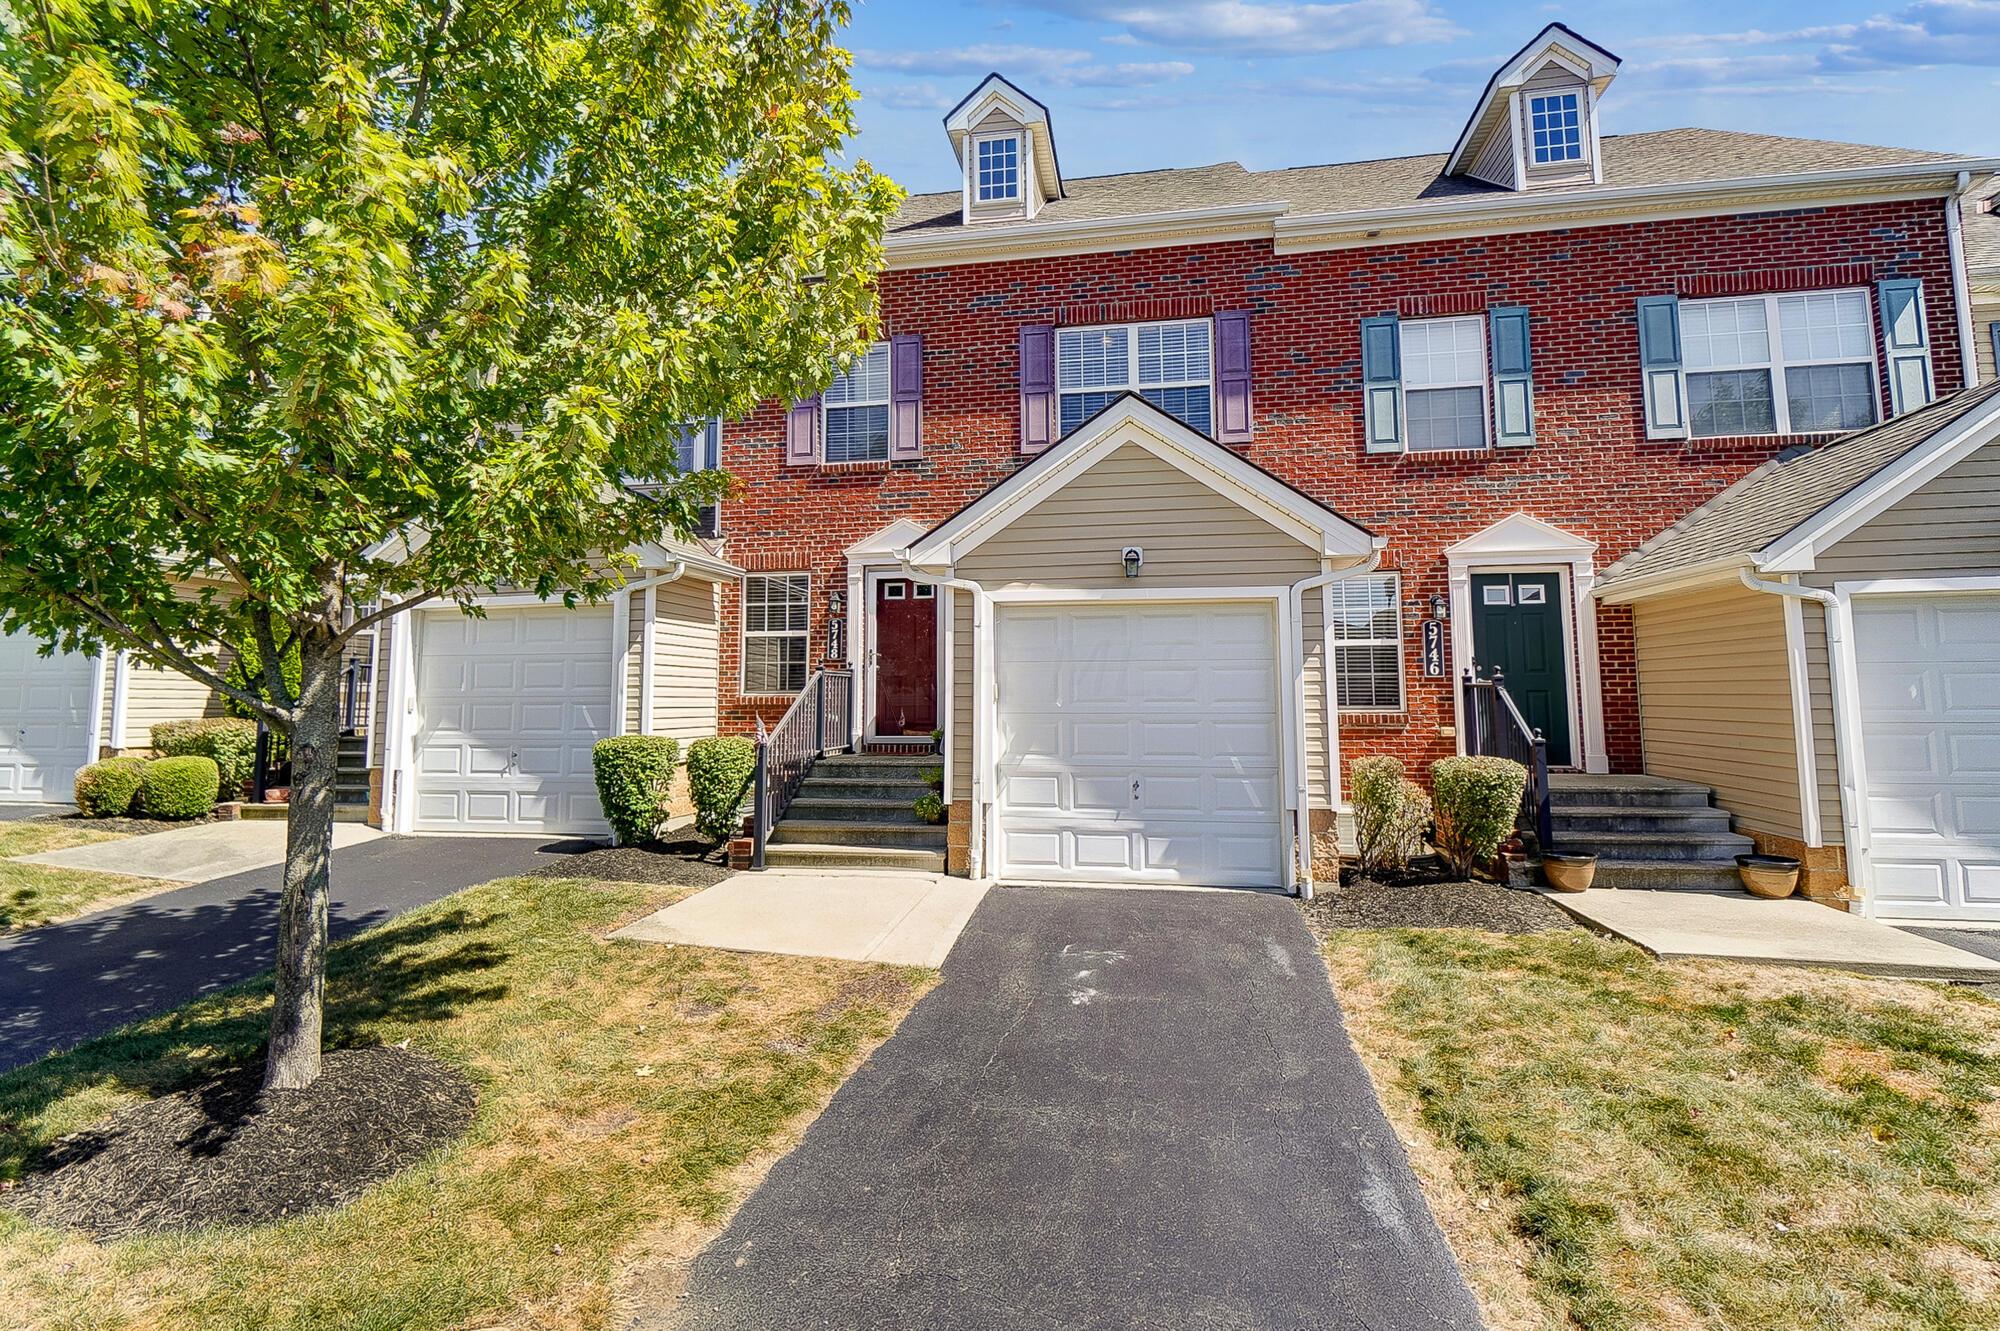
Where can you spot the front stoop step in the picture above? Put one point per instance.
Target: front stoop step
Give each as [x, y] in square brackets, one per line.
[814, 806]
[805, 854]
[1584, 819]
[1669, 875]
[1569, 789]
[853, 832]
[1647, 831]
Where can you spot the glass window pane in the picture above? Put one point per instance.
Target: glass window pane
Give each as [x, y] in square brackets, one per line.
[1171, 353]
[1830, 397]
[857, 434]
[1368, 678]
[1724, 332]
[1441, 418]
[1731, 402]
[1080, 407]
[1825, 325]
[1190, 405]
[1364, 608]
[1092, 358]
[867, 380]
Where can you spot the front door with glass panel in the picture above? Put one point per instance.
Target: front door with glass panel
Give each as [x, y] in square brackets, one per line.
[1517, 629]
[905, 657]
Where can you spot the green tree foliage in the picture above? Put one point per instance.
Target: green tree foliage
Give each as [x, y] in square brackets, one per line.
[317, 312]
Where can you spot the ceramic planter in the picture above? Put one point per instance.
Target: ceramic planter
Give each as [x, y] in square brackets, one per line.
[1567, 872]
[1773, 877]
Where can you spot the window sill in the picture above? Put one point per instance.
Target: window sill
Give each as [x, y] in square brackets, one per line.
[858, 464]
[1440, 454]
[1377, 720]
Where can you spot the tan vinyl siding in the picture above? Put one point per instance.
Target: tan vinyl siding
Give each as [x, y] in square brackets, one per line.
[153, 695]
[1826, 752]
[961, 695]
[1715, 702]
[1985, 314]
[635, 639]
[1312, 630]
[385, 633]
[1495, 164]
[1951, 525]
[686, 651]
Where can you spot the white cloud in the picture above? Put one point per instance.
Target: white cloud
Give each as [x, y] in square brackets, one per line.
[1929, 32]
[1268, 27]
[914, 97]
[1047, 66]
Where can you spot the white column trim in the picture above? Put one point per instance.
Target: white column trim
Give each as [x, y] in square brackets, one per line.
[948, 599]
[621, 657]
[1802, 726]
[1331, 687]
[398, 778]
[1961, 302]
[1845, 672]
[121, 688]
[648, 689]
[97, 673]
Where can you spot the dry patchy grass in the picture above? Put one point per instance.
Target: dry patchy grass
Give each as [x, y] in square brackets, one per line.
[624, 1090]
[38, 894]
[1614, 1142]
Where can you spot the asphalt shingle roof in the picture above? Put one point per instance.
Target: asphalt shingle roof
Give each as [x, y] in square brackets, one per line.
[1982, 234]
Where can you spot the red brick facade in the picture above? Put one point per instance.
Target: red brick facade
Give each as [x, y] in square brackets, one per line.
[1591, 471]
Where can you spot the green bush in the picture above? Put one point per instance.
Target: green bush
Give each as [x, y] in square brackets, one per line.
[181, 787]
[933, 777]
[230, 740]
[1477, 802]
[110, 788]
[719, 774]
[1391, 813]
[635, 777]
[930, 807]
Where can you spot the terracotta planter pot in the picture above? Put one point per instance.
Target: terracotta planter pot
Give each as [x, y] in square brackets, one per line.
[1773, 877]
[1569, 873]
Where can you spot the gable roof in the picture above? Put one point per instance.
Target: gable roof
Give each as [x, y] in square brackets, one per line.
[1774, 508]
[1599, 67]
[1982, 233]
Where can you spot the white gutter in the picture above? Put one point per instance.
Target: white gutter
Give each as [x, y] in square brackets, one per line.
[1302, 793]
[1801, 687]
[624, 648]
[960, 244]
[1954, 228]
[982, 614]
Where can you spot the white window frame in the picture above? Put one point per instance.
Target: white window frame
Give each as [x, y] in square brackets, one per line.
[1581, 110]
[1132, 384]
[1483, 382]
[827, 407]
[979, 147]
[1341, 645]
[746, 633]
[1776, 365]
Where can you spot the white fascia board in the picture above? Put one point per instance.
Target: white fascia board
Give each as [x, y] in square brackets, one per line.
[1234, 221]
[1669, 581]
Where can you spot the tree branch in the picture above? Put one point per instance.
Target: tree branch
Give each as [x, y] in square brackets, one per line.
[381, 613]
[160, 644]
[420, 101]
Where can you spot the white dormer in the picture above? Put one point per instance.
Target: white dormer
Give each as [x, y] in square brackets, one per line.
[1536, 123]
[1006, 152]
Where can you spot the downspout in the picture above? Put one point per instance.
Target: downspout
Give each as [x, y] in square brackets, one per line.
[1302, 818]
[1801, 682]
[981, 611]
[1793, 589]
[674, 574]
[1961, 302]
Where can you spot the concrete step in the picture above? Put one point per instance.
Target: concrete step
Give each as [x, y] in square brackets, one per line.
[844, 832]
[1570, 789]
[342, 813]
[1586, 820]
[1716, 846]
[861, 788]
[1669, 875]
[806, 854]
[876, 767]
[811, 806]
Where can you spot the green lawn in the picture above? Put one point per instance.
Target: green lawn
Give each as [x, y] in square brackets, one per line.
[36, 894]
[629, 1093]
[1613, 1142]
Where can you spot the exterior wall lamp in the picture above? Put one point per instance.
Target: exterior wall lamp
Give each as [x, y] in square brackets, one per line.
[1132, 558]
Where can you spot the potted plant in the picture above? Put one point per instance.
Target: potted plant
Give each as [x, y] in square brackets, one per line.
[1569, 871]
[930, 808]
[1773, 877]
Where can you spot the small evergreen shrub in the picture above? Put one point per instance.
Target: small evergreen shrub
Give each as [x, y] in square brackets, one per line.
[230, 740]
[930, 807]
[635, 776]
[181, 787]
[1391, 813]
[719, 773]
[110, 788]
[1477, 801]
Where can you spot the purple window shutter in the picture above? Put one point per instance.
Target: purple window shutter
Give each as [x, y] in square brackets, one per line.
[1038, 387]
[906, 397]
[1232, 377]
[802, 433]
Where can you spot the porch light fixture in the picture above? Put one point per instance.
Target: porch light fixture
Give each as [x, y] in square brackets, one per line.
[1132, 558]
[1440, 606]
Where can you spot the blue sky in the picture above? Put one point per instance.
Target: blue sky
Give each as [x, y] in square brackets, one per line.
[1135, 84]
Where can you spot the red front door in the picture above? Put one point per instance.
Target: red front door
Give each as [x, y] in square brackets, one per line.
[905, 657]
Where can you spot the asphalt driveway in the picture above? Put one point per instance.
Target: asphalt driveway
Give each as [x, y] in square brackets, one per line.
[1120, 1109]
[64, 983]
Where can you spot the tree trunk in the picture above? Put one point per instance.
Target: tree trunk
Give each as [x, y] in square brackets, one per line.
[300, 996]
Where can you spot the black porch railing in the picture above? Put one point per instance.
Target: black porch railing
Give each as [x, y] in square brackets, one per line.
[274, 763]
[820, 718]
[356, 688]
[1494, 727]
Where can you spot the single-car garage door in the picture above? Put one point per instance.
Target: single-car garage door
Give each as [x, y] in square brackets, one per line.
[1140, 744]
[45, 714]
[1929, 693]
[507, 710]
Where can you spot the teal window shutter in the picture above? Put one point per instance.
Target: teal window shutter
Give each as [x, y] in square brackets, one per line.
[1382, 383]
[1660, 367]
[1906, 342]
[1513, 378]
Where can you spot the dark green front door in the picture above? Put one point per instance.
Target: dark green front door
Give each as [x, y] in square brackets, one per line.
[1517, 629]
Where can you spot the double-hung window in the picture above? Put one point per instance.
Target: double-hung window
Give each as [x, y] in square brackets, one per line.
[1444, 383]
[857, 410]
[1168, 364]
[1792, 364]
[1555, 128]
[1368, 643]
[699, 447]
[775, 611]
[998, 168]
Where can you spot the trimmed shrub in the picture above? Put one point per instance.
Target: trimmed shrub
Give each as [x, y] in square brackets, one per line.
[635, 777]
[1477, 801]
[230, 740]
[181, 787]
[720, 770]
[930, 807]
[1391, 813]
[110, 788]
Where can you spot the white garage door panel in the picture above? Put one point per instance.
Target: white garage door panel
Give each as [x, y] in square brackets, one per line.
[1929, 686]
[45, 715]
[509, 708]
[1140, 744]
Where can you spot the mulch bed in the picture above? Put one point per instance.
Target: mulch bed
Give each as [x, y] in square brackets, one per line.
[131, 826]
[682, 864]
[1427, 898]
[219, 1155]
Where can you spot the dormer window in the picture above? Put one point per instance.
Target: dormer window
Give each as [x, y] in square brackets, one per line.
[999, 169]
[1535, 125]
[1556, 128]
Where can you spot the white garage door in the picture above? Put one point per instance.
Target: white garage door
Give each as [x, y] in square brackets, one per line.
[1139, 744]
[1930, 723]
[508, 708]
[45, 714]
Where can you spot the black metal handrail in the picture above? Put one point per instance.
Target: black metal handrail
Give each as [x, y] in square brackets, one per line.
[1494, 727]
[356, 689]
[820, 718]
[273, 768]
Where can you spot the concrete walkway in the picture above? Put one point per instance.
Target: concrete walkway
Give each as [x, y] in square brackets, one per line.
[908, 919]
[1736, 926]
[194, 854]
[1120, 1110]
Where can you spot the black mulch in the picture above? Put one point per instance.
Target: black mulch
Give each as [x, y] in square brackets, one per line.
[218, 1155]
[683, 864]
[130, 826]
[1420, 902]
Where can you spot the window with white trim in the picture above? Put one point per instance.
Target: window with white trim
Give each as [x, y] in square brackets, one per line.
[1444, 383]
[775, 621]
[1368, 643]
[1555, 128]
[856, 405]
[1168, 364]
[697, 447]
[1792, 364]
[997, 168]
